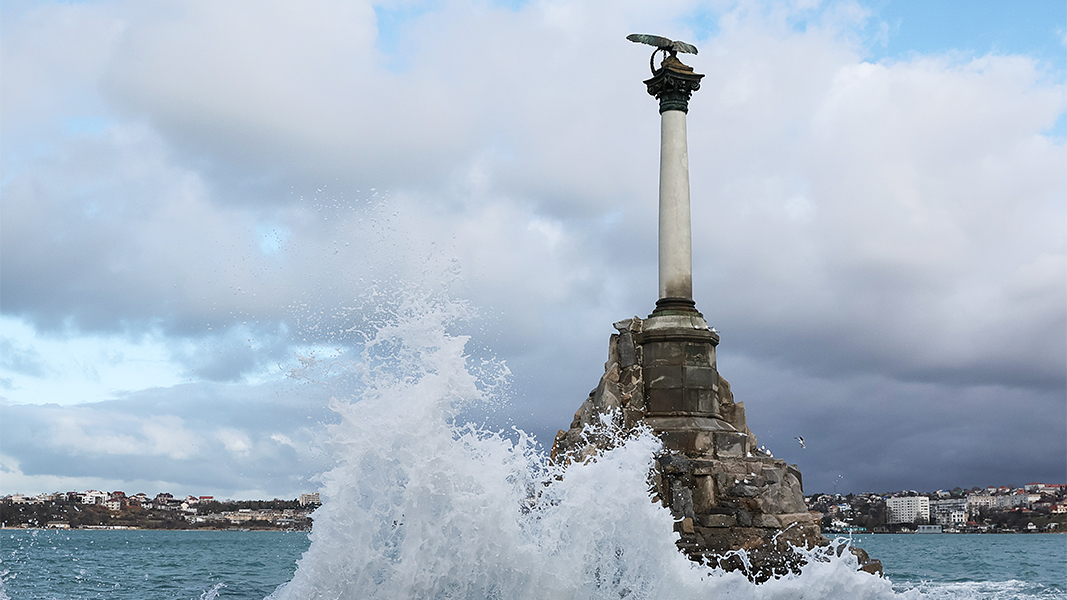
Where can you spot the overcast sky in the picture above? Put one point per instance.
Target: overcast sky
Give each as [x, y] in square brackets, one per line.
[196, 192]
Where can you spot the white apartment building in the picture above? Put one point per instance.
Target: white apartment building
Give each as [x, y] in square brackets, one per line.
[948, 512]
[1009, 501]
[93, 497]
[976, 502]
[908, 509]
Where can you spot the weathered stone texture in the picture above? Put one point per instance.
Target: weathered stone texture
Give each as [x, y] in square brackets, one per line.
[725, 495]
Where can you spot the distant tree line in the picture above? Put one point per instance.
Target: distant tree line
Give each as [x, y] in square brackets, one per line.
[215, 506]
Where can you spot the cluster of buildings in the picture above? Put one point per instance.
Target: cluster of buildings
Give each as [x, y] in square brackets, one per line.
[119, 500]
[945, 509]
[116, 500]
[950, 511]
[195, 510]
[285, 518]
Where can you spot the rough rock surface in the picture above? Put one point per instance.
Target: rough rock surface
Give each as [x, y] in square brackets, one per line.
[725, 497]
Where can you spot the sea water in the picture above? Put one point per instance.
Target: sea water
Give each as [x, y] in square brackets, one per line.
[135, 565]
[961, 566]
[421, 504]
[249, 565]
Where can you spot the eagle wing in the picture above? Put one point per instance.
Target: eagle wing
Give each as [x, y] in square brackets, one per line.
[662, 43]
[683, 47]
[651, 40]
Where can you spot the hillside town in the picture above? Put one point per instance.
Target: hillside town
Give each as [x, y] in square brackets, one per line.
[1033, 508]
[94, 509]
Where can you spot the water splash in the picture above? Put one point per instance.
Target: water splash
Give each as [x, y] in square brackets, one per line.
[423, 505]
[212, 592]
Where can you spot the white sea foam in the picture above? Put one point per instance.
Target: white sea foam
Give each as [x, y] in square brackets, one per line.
[212, 592]
[422, 506]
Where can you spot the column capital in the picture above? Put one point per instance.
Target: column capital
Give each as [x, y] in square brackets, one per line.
[673, 84]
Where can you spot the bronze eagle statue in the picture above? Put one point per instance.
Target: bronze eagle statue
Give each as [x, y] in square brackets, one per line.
[662, 44]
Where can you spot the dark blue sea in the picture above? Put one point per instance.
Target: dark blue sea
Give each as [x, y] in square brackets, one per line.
[195, 565]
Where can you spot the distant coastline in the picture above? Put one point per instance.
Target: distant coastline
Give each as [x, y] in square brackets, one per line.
[1033, 508]
[123, 528]
[85, 511]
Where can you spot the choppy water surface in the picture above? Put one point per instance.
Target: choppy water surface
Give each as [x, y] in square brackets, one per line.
[974, 566]
[134, 565]
[420, 505]
[201, 565]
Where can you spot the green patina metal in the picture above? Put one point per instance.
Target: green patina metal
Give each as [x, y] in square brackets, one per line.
[673, 84]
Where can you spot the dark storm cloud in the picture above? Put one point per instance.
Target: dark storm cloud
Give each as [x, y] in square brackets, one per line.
[882, 435]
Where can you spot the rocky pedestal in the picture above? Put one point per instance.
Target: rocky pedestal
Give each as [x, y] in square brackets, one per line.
[725, 494]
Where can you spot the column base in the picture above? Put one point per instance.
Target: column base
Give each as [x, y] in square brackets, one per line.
[681, 382]
[674, 305]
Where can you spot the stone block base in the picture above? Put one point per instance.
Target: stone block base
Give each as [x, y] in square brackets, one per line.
[725, 494]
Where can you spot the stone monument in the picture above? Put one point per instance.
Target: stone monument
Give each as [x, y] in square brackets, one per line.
[725, 493]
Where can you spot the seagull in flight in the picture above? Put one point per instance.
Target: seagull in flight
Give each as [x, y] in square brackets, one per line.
[801, 440]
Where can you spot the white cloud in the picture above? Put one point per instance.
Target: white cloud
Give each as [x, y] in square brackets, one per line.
[219, 199]
[88, 432]
[234, 440]
[53, 56]
[281, 438]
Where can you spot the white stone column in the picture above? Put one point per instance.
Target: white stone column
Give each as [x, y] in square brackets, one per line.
[675, 229]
